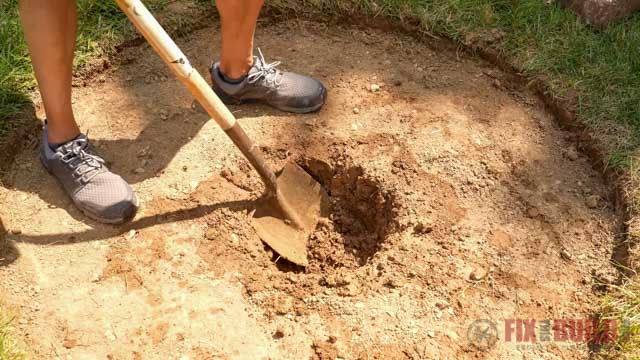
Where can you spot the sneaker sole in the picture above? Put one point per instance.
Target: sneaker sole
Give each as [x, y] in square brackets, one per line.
[129, 215]
[228, 100]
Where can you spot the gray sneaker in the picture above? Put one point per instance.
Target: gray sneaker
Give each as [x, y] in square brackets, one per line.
[97, 192]
[264, 83]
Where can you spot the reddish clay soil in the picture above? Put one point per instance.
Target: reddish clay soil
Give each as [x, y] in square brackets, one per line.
[454, 197]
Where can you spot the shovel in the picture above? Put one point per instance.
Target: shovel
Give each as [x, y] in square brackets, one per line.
[288, 212]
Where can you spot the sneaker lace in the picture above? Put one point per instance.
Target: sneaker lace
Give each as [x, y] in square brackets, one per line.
[83, 163]
[266, 71]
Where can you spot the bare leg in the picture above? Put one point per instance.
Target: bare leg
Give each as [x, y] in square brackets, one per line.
[50, 30]
[238, 25]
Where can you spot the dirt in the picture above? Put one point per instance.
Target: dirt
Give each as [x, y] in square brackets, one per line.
[452, 200]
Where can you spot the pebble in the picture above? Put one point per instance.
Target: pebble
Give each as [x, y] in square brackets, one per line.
[431, 334]
[442, 304]
[324, 222]
[478, 274]
[374, 87]
[533, 212]
[280, 332]
[69, 343]
[572, 154]
[592, 201]
[211, 233]
[144, 152]
[344, 280]
[356, 110]
[393, 283]
[423, 227]
[138, 170]
[110, 335]
[565, 254]
[16, 231]
[130, 234]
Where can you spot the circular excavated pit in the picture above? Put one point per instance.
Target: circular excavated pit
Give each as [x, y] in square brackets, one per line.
[436, 140]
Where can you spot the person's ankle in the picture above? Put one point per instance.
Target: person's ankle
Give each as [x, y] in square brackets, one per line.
[60, 137]
[235, 72]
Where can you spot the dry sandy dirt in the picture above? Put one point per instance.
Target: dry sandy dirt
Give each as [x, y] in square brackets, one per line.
[455, 197]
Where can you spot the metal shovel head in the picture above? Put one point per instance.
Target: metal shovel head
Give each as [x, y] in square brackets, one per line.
[305, 197]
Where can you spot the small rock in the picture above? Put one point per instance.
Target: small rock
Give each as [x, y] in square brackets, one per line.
[280, 333]
[478, 274]
[130, 234]
[138, 171]
[110, 335]
[185, 168]
[324, 222]
[374, 87]
[397, 82]
[572, 154]
[442, 304]
[423, 227]
[164, 115]
[565, 254]
[431, 334]
[356, 110]
[330, 280]
[349, 290]
[533, 212]
[592, 201]
[333, 339]
[144, 152]
[393, 283]
[16, 231]
[69, 343]
[344, 280]
[211, 233]
[284, 306]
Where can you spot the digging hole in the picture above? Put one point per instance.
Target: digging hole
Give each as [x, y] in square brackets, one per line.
[360, 216]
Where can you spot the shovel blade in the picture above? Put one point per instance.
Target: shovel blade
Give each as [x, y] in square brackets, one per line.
[305, 196]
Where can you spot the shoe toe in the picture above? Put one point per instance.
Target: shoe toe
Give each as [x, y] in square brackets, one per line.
[107, 198]
[304, 94]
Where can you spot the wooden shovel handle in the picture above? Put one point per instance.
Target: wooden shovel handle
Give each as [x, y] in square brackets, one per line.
[146, 24]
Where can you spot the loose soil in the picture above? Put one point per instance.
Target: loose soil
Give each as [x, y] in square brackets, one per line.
[454, 197]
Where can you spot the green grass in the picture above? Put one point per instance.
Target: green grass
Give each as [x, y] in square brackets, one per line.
[8, 348]
[623, 305]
